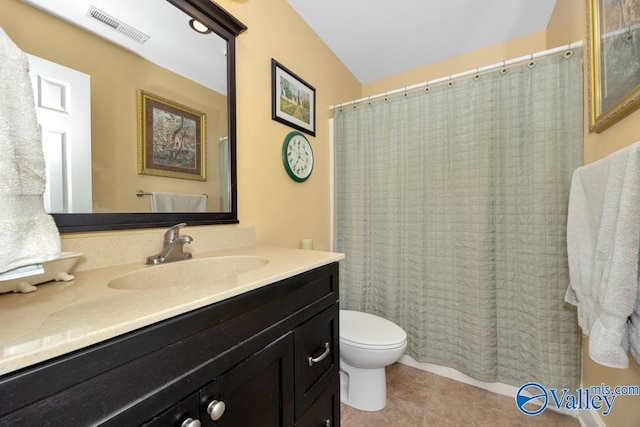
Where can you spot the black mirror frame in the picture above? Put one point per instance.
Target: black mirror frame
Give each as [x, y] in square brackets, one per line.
[228, 27]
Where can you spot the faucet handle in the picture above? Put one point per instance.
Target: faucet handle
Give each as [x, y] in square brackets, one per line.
[174, 232]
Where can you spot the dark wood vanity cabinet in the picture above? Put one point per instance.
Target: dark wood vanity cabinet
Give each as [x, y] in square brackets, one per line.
[268, 357]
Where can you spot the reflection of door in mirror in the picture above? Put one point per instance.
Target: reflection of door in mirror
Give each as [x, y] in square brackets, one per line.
[224, 157]
[117, 74]
[62, 99]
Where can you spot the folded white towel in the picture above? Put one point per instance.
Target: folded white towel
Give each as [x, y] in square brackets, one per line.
[27, 233]
[603, 241]
[177, 202]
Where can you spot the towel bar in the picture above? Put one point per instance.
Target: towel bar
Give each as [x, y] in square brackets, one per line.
[141, 193]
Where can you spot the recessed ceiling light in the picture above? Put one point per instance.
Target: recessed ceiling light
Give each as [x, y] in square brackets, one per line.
[199, 26]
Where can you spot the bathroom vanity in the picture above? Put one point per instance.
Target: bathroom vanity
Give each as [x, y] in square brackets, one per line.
[260, 350]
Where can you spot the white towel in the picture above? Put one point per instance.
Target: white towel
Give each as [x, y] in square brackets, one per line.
[603, 240]
[177, 202]
[28, 234]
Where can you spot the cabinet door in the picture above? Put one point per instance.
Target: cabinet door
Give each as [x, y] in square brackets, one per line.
[324, 412]
[177, 415]
[317, 357]
[256, 392]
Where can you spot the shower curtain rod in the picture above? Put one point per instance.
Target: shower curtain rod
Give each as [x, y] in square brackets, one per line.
[450, 77]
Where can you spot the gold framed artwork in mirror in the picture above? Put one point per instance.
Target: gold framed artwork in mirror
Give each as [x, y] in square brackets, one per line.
[171, 139]
[613, 61]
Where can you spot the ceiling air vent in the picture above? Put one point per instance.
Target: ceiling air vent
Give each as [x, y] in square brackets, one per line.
[117, 25]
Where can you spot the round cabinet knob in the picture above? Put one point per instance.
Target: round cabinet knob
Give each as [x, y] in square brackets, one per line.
[216, 409]
[190, 422]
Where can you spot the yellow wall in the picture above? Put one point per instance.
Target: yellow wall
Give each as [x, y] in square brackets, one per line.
[116, 75]
[283, 211]
[490, 55]
[568, 23]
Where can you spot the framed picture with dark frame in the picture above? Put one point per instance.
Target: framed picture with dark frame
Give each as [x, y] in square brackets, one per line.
[293, 99]
[171, 139]
[613, 61]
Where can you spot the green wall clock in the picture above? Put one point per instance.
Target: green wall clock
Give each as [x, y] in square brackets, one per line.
[297, 156]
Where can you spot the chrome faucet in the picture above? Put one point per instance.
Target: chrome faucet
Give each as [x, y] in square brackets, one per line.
[173, 247]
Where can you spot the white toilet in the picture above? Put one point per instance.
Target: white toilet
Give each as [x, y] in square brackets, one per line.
[368, 343]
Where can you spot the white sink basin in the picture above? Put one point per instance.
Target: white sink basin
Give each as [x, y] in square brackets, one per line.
[194, 272]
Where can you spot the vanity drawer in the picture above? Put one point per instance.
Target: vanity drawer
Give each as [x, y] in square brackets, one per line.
[325, 412]
[317, 358]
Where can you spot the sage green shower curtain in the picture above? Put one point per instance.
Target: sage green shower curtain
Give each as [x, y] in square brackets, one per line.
[451, 206]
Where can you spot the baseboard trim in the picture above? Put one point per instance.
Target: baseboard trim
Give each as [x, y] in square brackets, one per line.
[454, 374]
[590, 418]
[584, 417]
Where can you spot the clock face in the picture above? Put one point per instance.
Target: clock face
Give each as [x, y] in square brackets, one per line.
[297, 156]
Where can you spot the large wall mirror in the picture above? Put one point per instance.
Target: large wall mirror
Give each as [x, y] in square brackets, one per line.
[132, 100]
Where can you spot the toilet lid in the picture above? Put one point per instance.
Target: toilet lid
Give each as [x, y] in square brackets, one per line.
[369, 330]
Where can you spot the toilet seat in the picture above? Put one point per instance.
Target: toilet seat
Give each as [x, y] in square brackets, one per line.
[373, 347]
[368, 331]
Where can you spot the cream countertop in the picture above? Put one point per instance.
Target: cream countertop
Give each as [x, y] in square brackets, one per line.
[65, 316]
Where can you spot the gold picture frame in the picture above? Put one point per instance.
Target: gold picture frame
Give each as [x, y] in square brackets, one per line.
[613, 53]
[171, 139]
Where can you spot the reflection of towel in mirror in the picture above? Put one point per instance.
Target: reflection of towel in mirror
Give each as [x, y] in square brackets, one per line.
[177, 202]
[603, 244]
[28, 234]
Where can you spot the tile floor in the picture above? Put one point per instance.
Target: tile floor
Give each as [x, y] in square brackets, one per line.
[417, 398]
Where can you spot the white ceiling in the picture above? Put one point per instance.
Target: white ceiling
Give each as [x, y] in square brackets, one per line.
[373, 38]
[204, 61]
[379, 38]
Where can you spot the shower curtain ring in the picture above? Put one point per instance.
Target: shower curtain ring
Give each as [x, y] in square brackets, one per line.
[504, 71]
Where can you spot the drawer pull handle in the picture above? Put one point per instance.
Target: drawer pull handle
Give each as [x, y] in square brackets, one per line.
[327, 423]
[320, 358]
[216, 409]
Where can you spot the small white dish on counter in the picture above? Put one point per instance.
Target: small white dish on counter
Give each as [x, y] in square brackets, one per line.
[57, 269]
